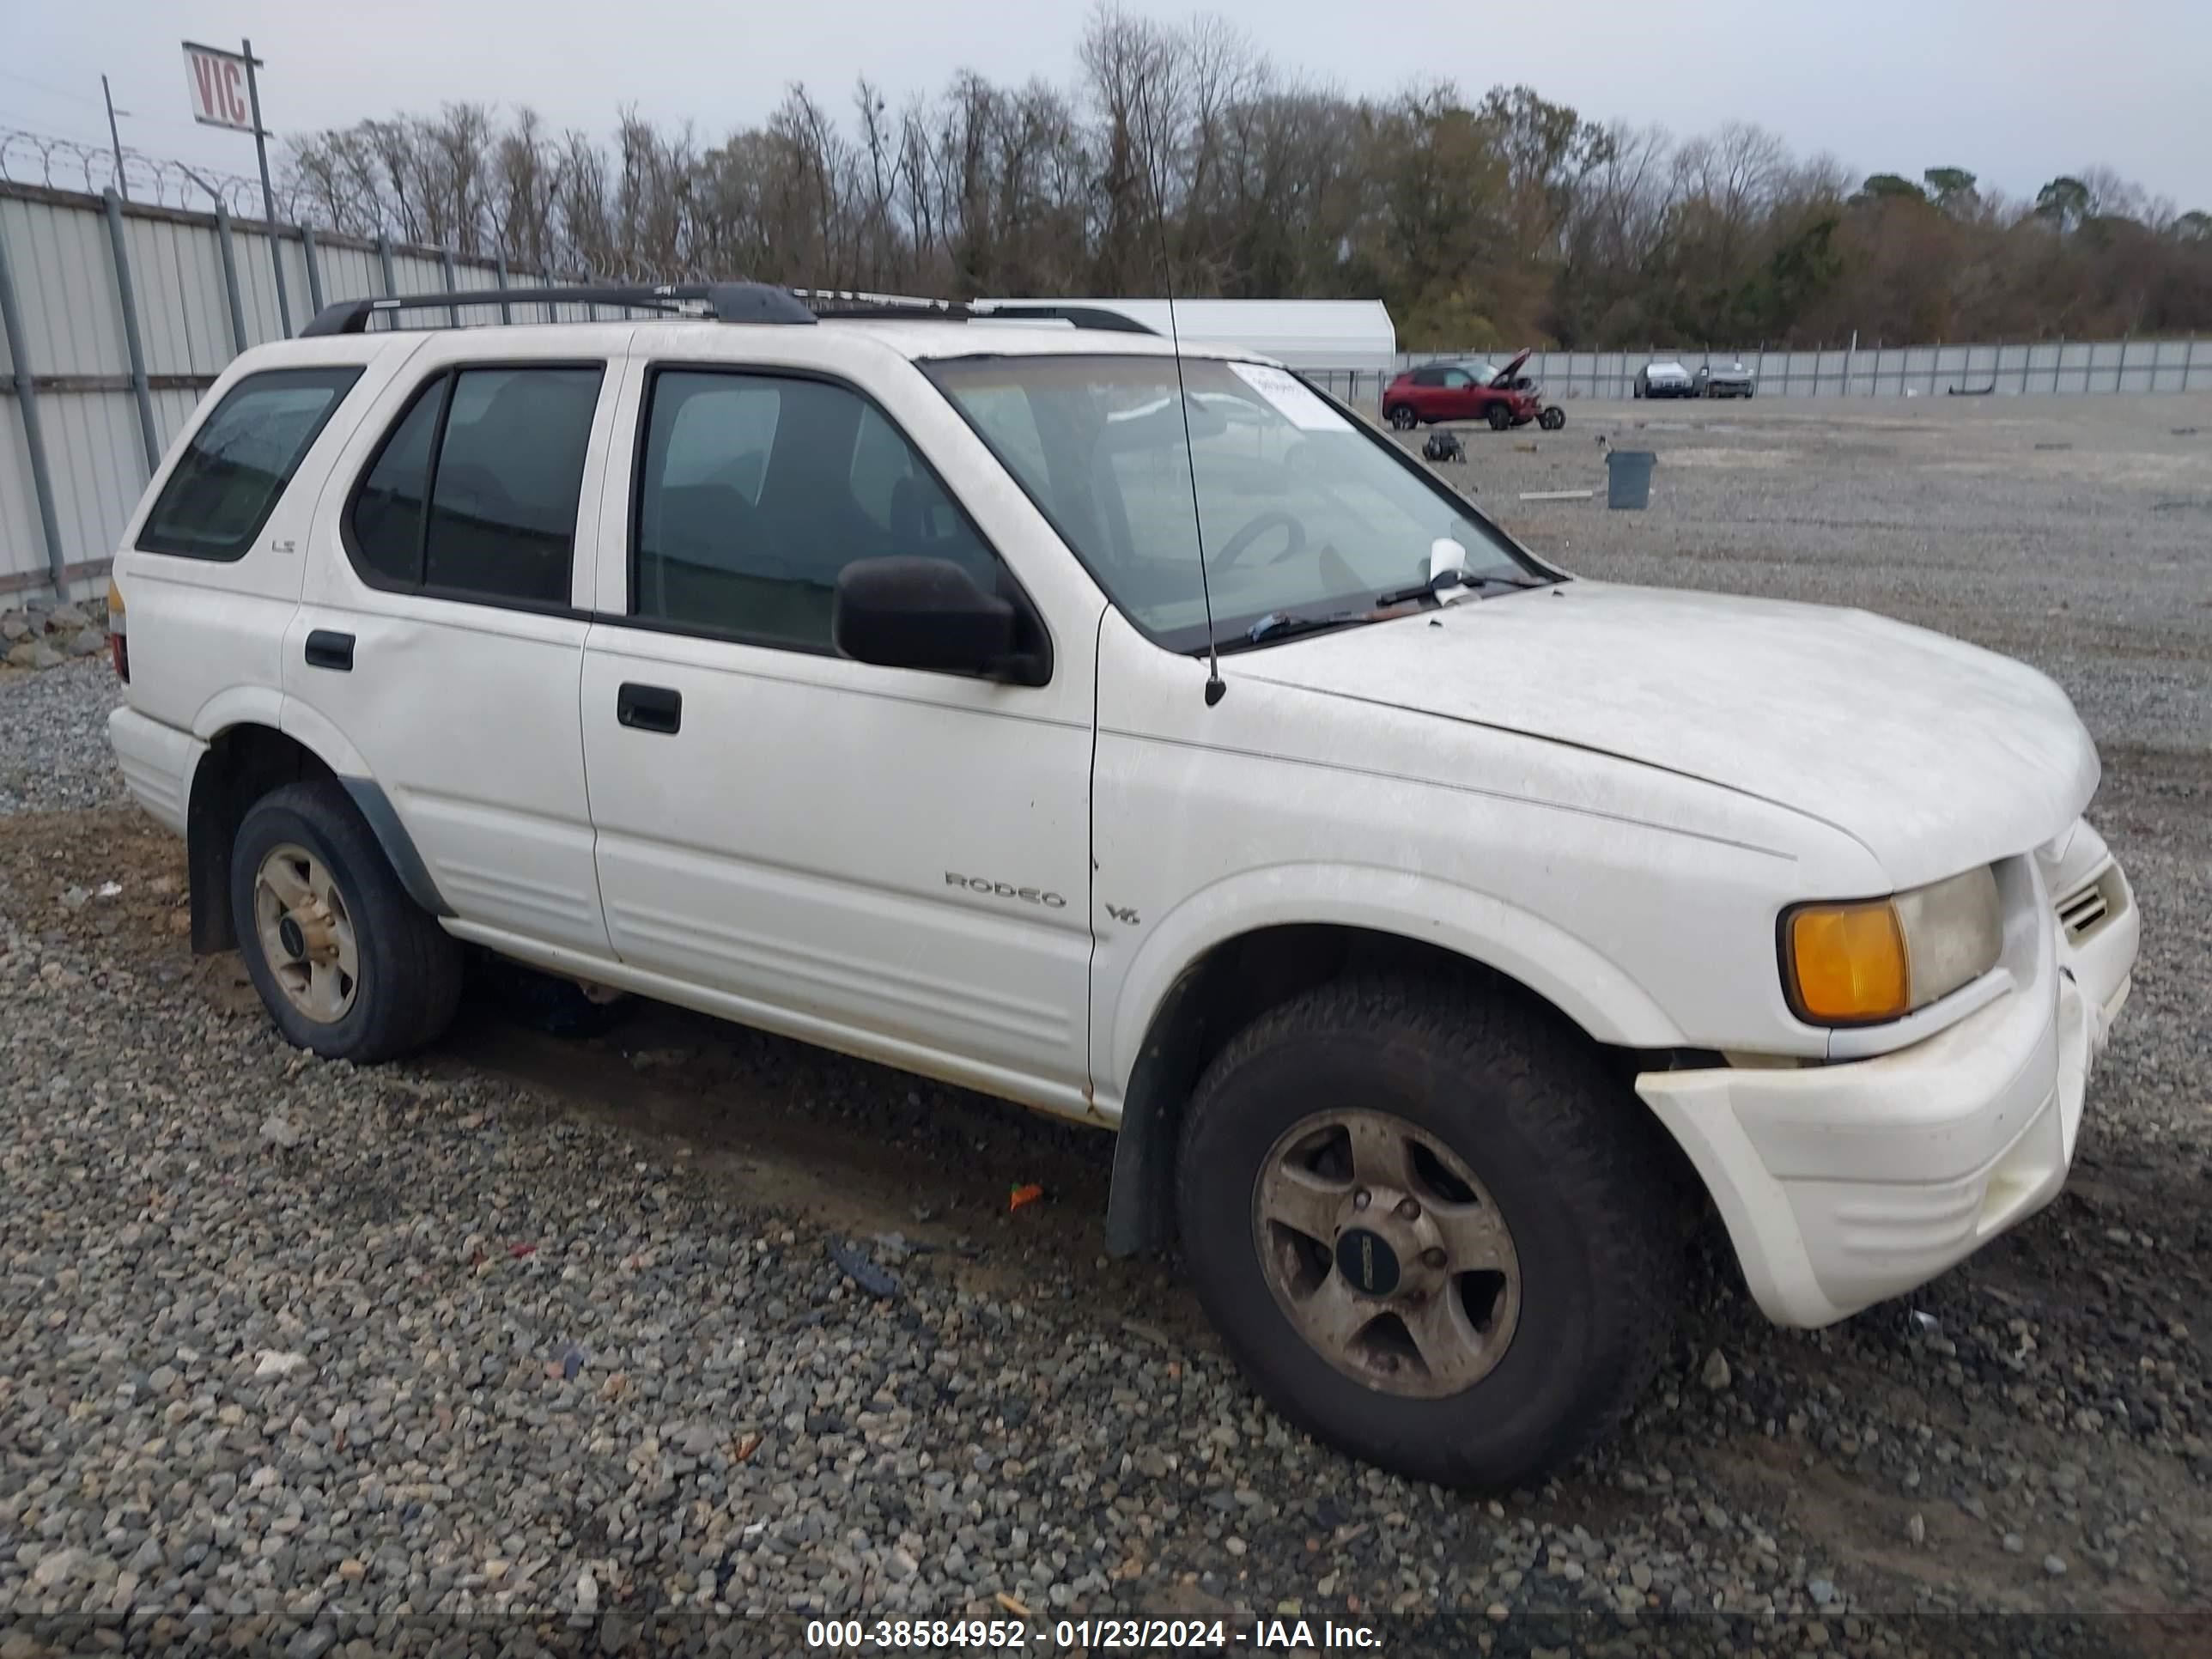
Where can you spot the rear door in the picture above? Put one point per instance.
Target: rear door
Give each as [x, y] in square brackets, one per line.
[439, 638]
[1426, 393]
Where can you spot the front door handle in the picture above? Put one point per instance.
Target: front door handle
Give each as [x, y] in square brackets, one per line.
[649, 707]
[329, 649]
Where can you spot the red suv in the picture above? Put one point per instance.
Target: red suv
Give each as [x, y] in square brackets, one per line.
[1468, 391]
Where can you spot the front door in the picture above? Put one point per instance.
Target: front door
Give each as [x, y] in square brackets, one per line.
[438, 642]
[891, 861]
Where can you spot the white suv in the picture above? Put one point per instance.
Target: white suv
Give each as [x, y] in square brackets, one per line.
[851, 679]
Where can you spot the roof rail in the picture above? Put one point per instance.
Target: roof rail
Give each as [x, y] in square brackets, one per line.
[1097, 317]
[726, 303]
[829, 303]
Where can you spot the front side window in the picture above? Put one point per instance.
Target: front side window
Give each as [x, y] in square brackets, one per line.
[1303, 512]
[755, 490]
[474, 493]
[232, 473]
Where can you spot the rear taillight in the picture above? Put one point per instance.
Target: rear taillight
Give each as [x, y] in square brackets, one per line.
[118, 645]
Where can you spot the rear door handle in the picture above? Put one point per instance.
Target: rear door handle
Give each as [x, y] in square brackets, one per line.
[327, 649]
[649, 707]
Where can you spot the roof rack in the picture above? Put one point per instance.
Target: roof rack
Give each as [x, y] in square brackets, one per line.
[725, 302]
[828, 303]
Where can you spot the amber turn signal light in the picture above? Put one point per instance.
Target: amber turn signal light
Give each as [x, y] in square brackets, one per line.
[1847, 962]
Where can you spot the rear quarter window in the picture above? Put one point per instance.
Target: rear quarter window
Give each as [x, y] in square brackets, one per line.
[240, 460]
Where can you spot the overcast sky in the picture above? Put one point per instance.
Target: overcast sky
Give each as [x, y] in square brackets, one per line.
[2015, 90]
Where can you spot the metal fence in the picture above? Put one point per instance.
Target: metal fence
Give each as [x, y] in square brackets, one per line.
[2000, 370]
[118, 315]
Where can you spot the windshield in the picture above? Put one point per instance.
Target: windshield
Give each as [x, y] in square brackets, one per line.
[1305, 512]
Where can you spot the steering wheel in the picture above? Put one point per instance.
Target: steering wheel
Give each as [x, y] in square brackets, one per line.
[1274, 519]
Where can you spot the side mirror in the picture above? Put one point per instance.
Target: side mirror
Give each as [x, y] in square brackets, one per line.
[925, 613]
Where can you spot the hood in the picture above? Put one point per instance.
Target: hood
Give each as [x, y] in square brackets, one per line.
[1935, 755]
[1512, 367]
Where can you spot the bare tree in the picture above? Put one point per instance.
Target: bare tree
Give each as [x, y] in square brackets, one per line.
[1179, 151]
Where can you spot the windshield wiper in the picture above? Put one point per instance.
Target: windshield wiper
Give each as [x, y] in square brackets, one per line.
[1437, 585]
[1281, 624]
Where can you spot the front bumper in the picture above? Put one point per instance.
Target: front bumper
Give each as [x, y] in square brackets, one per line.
[1843, 1184]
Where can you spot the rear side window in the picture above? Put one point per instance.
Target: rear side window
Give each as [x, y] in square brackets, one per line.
[473, 493]
[235, 469]
[387, 515]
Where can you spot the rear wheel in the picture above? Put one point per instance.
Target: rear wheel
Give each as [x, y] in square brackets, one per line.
[1402, 416]
[349, 966]
[1429, 1230]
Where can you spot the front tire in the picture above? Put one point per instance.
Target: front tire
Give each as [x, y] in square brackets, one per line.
[1503, 1293]
[349, 966]
[1500, 417]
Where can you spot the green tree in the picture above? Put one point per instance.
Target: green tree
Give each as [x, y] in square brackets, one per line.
[2065, 201]
[1889, 187]
[1952, 189]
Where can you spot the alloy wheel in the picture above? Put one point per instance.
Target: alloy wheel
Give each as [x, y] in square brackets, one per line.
[306, 933]
[1384, 1250]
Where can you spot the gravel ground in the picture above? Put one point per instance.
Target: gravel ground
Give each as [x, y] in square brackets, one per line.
[557, 1340]
[53, 736]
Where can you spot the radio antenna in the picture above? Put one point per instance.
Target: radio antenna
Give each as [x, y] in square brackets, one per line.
[1216, 689]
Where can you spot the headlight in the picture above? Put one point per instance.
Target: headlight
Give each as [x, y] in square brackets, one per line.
[1875, 959]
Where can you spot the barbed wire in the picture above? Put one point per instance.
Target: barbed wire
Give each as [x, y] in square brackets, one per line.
[40, 158]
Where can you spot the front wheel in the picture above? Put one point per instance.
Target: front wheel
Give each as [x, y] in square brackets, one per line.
[1403, 417]
[1552, 419]
[1429, 1228]
[1500, 417]
[349, 966]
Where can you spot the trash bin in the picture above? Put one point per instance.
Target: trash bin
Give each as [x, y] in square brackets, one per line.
[1628, 478]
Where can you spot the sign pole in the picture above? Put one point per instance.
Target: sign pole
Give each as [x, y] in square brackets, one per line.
[268, 196]
[114, 138]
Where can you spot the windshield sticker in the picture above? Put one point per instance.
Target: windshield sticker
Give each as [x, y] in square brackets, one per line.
[1293, 399]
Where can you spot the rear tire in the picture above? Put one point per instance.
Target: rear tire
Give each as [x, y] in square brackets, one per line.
[350, 966]
[1570, 1330]
[1402, 418]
